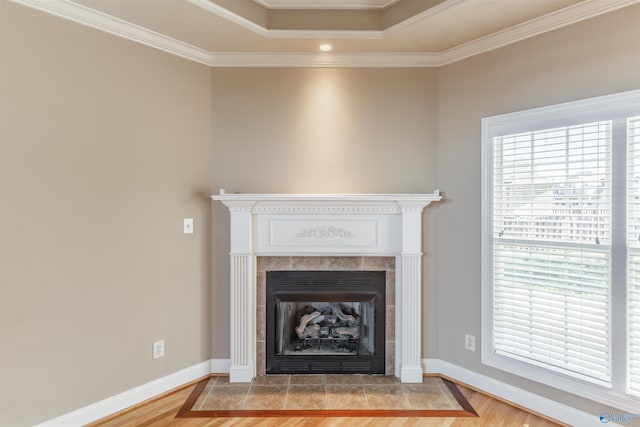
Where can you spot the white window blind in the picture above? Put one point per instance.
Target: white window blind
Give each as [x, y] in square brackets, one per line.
[551, 227]
[633, 256]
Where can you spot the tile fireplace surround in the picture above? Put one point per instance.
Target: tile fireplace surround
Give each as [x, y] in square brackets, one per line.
[363, 228]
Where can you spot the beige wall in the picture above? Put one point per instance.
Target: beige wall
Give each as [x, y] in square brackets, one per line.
[324, 130]
[596, 57]
[317, 131]
[105, 147]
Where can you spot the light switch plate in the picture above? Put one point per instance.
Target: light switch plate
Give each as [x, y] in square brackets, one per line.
[187, 226]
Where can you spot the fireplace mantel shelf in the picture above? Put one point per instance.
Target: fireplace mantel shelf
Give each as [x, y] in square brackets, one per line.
[348, 198]
[326, 225]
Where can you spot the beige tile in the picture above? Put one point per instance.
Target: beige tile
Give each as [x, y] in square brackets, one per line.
[306, 263]
[311, 396]
[203, 397]
[261, 323]
[215, 379]
[319, 379]
[261, 288]
[223, 380]
[346, 396]
[266, 397]
[344, 379]
[227, 397]
[390, 360]
[433, 383]
[271, 380]
[390, 321]
[260, 358]
[390, 289]
[422, 396]
[431, 394]
[340, 392]
[380, 379]
[378, 263]
[386, 396]
[344, 263]
[273, 263]
[390, 324]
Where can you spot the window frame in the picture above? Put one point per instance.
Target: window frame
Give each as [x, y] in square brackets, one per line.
[608, 107]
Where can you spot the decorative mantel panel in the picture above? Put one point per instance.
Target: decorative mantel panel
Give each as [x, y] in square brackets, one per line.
[326, 225]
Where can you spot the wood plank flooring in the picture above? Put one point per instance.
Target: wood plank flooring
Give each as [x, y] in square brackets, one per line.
[161, 411]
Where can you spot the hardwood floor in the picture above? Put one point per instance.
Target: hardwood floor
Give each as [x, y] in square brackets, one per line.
[161, 412]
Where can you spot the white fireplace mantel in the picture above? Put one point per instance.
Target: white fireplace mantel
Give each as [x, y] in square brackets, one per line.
[326, 225]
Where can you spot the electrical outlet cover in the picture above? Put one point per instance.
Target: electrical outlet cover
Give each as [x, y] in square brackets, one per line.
[470, 342]
[158, 349]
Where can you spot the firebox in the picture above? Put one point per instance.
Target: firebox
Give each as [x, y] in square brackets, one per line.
[325, 322]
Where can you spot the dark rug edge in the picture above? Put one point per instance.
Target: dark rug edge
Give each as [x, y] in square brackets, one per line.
[466, 411]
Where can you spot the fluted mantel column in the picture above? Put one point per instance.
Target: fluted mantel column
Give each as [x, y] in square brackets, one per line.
[409, 293]
[242, 292]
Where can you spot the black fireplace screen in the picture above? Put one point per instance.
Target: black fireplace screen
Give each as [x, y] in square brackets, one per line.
[331, 322]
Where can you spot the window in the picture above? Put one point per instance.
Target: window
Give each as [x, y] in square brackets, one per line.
[633, 257]
[561, 246]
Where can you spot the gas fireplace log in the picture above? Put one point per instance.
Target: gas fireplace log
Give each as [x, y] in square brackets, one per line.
[348, 331]
[311, 331]
[338, 312]
[304, 320]
[325, 318]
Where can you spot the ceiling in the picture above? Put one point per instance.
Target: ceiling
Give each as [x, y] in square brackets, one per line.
[363, 33]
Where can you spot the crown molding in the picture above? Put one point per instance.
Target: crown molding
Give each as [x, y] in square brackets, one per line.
[549, 22]
[327, 4]
[67, 9]
[356, 60]
[325, 34]
[112, 25]
[230, 16]
[439, 8]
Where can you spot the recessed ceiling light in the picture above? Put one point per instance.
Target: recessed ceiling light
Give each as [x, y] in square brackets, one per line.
[326, 47]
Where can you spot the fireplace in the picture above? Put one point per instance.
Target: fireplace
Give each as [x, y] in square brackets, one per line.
[266, 265]
[328, 227]
[329, 322]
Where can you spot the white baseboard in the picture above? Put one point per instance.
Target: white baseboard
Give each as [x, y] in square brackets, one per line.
[515, 395]
[220, 366]
[129, 398]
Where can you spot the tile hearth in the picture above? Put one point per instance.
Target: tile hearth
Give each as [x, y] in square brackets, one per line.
[325, 392]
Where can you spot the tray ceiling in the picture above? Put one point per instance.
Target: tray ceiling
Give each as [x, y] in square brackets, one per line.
[396, 33]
